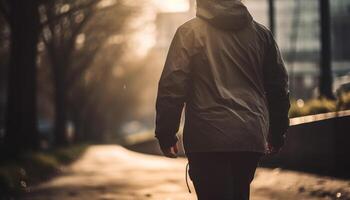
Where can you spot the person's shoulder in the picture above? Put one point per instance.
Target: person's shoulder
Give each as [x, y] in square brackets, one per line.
[263, 31]
[190, 26]
[189, 33]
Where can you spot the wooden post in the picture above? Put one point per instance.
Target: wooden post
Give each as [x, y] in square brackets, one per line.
[326, 79]
[272, 16]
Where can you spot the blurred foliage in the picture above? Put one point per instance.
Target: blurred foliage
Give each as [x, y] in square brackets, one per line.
[318, 106]
[295, 110]
[18, 174]
[81, 67]
[344, 101]
[82, 44]
[312, 107]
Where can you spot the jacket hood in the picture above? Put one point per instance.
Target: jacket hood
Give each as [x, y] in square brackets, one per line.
[224, 14]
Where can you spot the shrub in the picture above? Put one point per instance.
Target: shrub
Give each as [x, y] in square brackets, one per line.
[312, 107]
[317, 106]
[32, 167]
[11, 177]
[295, 110]
[344, 101]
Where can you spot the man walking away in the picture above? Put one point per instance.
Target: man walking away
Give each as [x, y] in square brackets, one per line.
[227, 69]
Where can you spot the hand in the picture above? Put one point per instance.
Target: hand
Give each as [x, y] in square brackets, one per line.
[271, 150]
[170, 152]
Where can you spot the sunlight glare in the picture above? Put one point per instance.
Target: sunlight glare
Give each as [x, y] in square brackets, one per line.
[118, 71]
[80, 38]
[144, 39]
[172, 5]
[106, 3]
[65, 8]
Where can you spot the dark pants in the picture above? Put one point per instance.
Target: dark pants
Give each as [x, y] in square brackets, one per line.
[222, 175]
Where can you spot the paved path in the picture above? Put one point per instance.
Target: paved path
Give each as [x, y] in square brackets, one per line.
[110, 172]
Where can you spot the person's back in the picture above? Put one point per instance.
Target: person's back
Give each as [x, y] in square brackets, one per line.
[227, 69]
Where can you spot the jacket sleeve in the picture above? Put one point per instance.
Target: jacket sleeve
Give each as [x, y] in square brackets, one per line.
[277, 93]
[172, 90]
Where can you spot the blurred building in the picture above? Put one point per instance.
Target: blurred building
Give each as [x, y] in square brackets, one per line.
[168, 22]
[297, 33]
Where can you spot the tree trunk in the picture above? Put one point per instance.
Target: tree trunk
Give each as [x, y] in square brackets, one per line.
[21, 112]
[60, 111]
[79, 135]
[93, 126]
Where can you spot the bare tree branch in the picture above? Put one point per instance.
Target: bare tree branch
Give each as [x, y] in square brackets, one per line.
[50, 48]
[76, 32]
[83, 66]
[54, 18]
[51, 44]
[63, 50]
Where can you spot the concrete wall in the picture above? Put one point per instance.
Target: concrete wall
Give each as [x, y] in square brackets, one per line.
[318, 144]
[321, 146]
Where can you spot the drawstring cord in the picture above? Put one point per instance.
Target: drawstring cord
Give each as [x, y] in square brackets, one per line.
[188, 187]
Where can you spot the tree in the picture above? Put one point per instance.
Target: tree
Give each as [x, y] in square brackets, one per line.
[72, 43]
[4, 54]
[111, 94]
[21, 119]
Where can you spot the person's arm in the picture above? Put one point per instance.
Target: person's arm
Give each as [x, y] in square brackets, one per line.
[277, 94]
[172, 90]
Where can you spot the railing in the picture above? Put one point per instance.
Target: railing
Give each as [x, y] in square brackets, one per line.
[318, 117]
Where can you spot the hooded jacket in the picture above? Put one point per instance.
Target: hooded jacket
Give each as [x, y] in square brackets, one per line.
[227, 71]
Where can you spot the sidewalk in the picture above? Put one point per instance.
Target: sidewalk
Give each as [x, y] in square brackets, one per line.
[110, 172]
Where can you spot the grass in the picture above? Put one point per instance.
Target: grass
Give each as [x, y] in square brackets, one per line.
[32, 167]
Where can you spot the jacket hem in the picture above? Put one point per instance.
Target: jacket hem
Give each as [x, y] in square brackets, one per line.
[197, 150]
